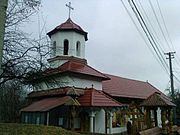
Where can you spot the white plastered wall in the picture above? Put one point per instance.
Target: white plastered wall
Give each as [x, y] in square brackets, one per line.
[72, 37]
[71, 81]
[100, 121]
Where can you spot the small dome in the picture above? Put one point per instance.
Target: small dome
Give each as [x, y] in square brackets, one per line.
[69, 25]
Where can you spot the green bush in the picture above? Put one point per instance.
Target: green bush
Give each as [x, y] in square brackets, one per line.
[27, 129]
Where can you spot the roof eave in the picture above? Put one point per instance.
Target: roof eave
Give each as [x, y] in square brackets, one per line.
[75, 30]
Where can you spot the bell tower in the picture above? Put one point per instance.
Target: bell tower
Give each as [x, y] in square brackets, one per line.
[67, 42]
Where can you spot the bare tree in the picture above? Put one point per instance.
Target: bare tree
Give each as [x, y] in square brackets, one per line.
[22, 57]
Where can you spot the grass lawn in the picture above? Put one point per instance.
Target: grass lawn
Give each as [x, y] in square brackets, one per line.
[27, 129]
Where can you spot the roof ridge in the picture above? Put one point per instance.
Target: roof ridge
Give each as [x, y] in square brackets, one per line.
[154, 87]
[126, 78]
[69, 20]
[98, 71]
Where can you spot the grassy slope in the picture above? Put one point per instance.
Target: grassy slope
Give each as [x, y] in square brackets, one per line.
[27, 129]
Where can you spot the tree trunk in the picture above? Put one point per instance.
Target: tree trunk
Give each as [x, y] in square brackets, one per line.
[3, 7]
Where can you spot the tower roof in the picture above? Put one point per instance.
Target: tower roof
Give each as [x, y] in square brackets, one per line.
[69, 25]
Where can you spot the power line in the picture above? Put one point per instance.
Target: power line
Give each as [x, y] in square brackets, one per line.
[159, 24]
[148, 21]
[167, 32]
[139, 30]
[148, 34]
[176, 79]
[158, 50]
[164, 23]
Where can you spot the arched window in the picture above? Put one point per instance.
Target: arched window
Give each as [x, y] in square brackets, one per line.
[66, 47]
[78, 48]
[54, 48]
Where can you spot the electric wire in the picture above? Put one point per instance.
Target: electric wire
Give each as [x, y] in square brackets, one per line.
[148, 35]
[137, 28]
[163, 20]
[148, 21]
[141, 34]
[167, 32]
[161, 29]
[176, 78]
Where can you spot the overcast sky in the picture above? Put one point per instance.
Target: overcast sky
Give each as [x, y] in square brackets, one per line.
[114, 44]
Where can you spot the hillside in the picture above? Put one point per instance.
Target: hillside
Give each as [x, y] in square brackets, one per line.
[27, 129]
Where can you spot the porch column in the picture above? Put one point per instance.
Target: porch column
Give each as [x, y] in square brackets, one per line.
[148, 115]
[110, 122]
[92, 115]
[163, 119]
[47, 119]
[171, 121]
[159, 120]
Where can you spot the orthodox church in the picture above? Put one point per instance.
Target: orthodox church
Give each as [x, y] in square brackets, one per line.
[73, 95]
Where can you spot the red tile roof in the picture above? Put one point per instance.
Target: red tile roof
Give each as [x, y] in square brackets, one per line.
[55, 92]
[122, 87]
[46, 104]
[89, 98]
[77, 67]
[67, 58]
[69, 25]
[157, 99]
[96, 98]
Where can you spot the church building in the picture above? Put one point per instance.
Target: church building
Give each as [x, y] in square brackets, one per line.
[73, 95]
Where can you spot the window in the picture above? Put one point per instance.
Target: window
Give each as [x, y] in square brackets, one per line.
[77, 122]
[60, 121]
[54, 48]
[38, 120]
[26, 118]
[66, 47]
[78, 48]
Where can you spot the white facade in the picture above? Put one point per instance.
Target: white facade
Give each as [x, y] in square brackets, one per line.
[100, 121]
[71, 81]
[76, 43]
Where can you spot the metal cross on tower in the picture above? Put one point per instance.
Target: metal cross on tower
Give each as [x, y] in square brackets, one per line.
[70, 8]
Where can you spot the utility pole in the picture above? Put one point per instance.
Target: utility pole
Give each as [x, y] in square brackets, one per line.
[170, 57]
[3, 8]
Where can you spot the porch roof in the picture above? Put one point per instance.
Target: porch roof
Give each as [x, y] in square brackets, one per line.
[157, 99]
[49, 103]
[63, 91]
[97, 98]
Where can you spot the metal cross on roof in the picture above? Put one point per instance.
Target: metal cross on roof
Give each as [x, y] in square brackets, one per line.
[70, 8]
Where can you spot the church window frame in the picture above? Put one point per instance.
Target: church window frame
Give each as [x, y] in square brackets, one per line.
[66, 47]
[78, 48]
